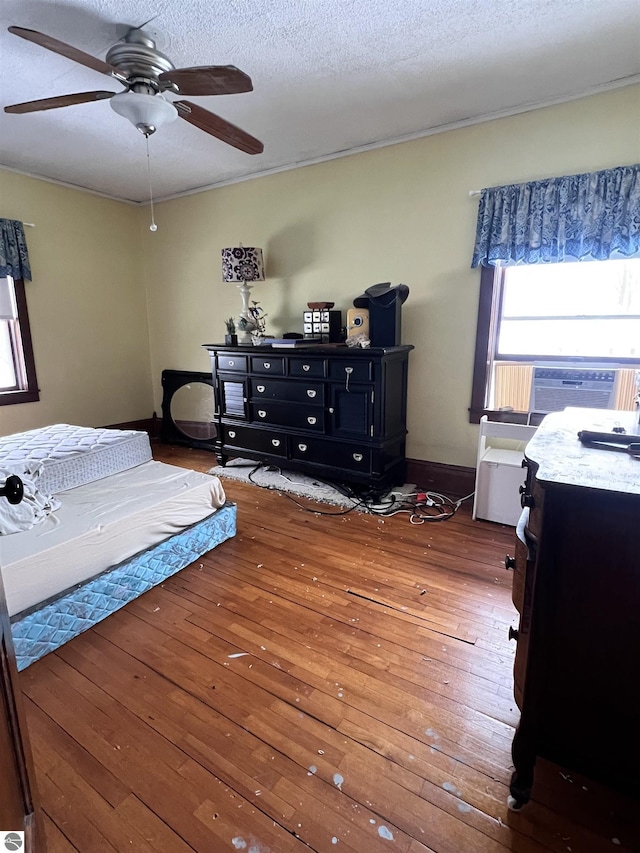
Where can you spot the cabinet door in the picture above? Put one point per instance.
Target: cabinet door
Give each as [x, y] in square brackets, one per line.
[232, 397]
[352, 410]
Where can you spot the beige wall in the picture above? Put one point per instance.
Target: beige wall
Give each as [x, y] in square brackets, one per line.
[87, 307]
[399, 214]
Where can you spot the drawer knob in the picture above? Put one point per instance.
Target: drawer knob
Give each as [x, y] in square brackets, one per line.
[266, 365]
[513, 633]
[331, 410]
[262, 413]
[509, 562]
[311, 420]
[311, 393]
[302, 448]
[260, 389]
[275, 442]
[231, 362]
[231, 433]
[357, 457]
[306, 367]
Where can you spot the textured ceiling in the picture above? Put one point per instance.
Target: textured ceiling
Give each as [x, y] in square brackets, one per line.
[329, 76]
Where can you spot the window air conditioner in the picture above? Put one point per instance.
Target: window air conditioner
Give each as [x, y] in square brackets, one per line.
[555, 388]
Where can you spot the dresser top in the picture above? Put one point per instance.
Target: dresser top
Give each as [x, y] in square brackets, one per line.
[327, 350]
[563, 460]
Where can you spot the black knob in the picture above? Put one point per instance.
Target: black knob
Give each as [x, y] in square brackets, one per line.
[513, 634]
[509, 562]
[13, 490]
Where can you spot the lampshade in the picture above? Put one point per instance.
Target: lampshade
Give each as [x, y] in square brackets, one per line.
[146, 112]
[7, 302]
[242, 263]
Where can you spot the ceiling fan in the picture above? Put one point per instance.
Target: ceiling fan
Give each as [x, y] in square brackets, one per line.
[147, 74]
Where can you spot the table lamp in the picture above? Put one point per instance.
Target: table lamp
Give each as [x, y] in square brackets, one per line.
[243, 264]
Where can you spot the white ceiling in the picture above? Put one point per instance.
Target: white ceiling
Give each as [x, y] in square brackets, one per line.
[329, 76]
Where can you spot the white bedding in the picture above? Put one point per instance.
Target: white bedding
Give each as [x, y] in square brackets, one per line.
[101, 524]
[69, 456]
[34, 507]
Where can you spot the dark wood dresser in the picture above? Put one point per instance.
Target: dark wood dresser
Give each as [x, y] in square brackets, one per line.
[331, 411]
[576, 586]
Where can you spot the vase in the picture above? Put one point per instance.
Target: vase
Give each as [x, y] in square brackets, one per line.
[231, 340]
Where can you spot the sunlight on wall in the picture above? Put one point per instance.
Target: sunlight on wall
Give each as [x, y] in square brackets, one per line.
[398, 214]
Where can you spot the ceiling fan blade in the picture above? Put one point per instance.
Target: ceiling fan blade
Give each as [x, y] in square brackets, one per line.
[66, 50]
[59, 101]
[209, 80]
[219, 127]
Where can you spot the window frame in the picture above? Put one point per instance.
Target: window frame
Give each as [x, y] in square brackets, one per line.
[489, 315]
[30, 393]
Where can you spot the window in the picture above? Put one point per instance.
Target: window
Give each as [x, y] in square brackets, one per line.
[18, 382]
[581, 315]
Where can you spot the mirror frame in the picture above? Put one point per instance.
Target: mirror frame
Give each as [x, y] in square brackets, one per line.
[170, 433]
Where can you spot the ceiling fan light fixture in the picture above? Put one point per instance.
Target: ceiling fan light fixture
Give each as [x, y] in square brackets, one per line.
[145, 112]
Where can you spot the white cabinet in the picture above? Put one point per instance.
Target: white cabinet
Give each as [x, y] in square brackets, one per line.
[499, 473]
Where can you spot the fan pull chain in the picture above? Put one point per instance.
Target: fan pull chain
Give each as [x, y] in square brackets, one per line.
[153, 226]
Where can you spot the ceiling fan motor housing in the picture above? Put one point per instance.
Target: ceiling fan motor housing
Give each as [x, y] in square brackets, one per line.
[137, 58]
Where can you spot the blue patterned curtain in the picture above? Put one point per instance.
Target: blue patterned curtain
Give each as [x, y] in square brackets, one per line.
[590, 217]
[14, 258]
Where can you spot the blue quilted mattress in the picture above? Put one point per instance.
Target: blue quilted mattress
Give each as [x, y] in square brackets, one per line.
[45, 628]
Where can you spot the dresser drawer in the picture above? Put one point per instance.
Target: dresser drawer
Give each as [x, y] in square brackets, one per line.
[519, 576]
[230, 361]
[294, 415]
[534, 524]
[347, 458]
[315, 368]
[358, 370]
[267, 365]
[247, 438]
[285, 390]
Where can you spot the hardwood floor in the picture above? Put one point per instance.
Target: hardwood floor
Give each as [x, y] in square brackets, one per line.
[315, 684]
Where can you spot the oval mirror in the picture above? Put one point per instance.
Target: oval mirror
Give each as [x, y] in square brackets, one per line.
[192, 410]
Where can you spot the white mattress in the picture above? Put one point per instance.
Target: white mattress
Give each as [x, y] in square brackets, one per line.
[71, 456]
[101, 524]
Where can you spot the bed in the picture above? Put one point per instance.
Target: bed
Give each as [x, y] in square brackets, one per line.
[118, 524]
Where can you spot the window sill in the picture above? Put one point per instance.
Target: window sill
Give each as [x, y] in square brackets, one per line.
[10, 398]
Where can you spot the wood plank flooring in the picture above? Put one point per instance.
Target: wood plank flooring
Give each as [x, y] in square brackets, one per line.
[315, 684]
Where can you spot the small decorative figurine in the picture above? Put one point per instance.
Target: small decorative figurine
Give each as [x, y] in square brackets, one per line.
[231, 338]
[258, 317]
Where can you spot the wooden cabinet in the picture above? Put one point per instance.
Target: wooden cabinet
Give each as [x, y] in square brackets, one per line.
[576, 586]
[331, 411]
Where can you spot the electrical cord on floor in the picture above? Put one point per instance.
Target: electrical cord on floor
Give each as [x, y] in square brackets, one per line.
[420, 506]
[269, 467]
